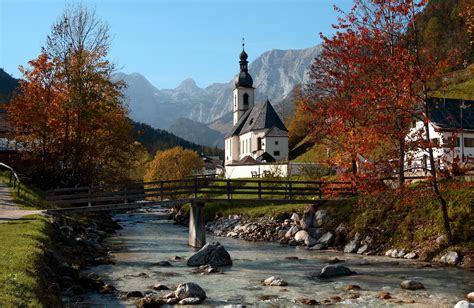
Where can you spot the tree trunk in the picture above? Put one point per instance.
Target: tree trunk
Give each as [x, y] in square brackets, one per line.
[401, 162]
[434, 182]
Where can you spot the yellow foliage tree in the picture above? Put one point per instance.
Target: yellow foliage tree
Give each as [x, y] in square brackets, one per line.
[173, 164]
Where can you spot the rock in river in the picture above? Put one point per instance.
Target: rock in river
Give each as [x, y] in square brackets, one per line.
[189, 290]
[335, 270]
[213, 254]
[451, 257]
[275, 282]
[411, 285]
[463, 304]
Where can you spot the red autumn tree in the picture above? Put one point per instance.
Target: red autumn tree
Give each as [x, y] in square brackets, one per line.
[69, 113]
[371, 79]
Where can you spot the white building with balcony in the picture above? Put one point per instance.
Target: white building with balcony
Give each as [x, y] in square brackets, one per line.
[451, 128]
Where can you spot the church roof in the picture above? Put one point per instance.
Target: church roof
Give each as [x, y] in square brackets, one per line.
[266, 157]
[276, 132]
[235, 131]
[262, 117]
[247, 160]
[446, 113]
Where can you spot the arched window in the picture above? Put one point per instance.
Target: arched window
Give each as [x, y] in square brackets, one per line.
[246, 100]
[259, 143]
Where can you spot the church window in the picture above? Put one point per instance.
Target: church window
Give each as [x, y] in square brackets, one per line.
[276, 153]
[259, 143]
[246, 101]
[276, 142]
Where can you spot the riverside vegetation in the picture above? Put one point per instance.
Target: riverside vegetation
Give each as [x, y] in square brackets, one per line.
[406, 221]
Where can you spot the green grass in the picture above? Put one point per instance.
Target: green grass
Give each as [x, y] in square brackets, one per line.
[22, 269]
[23, 272]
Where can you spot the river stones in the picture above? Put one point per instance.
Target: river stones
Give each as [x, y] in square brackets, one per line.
[150, 301]
[451, 258]
[275, 282]
[206, 269]
[301, 236]
[189, 290]
[159, 287]
[134, 294]
[352, 246]
[327, 239]
[292, 231]
[351, 287]
[295, 217]
[307, 301]
[334, 271]
[463, 304]
[470, 297]
[190, 301]
[411, 255]
[384, 295]
[411, 285]
[213, 254]
[321, 217]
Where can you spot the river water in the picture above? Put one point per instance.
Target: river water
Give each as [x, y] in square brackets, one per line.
[147, 238]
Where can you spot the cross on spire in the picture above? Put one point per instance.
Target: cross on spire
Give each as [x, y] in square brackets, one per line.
[243, 43]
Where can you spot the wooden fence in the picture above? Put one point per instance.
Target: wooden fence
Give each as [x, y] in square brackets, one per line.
[206, 189]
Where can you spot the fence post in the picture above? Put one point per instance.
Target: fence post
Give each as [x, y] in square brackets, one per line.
[18, 188]
[229, 190]
[195, 187]
[89, 194]
[291, 191]
[260, 189]
[161, 191]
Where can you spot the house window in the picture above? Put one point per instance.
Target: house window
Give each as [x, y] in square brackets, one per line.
[276, 142]
[246, 101]
[469, 142]
[450, 142]
[276, 153]
[259, 143]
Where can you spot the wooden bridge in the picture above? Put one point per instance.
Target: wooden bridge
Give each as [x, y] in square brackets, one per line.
[196, 191]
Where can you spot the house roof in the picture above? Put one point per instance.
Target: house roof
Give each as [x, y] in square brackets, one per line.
[258, 118]
[446, 113]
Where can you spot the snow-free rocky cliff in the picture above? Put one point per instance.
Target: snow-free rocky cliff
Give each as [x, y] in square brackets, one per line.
[275, 73]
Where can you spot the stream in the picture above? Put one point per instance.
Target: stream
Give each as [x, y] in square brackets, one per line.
[147, 238]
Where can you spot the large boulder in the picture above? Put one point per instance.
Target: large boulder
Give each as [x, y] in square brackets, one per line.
[463, 304]
[334, 271]
[327, 239]
[310, 241]
[352, 246]
[301, 236]
[213, 254]
[189, 290]
[451, 257]
[292, 231]
[321, 217]
[307, 221]
[315, 232]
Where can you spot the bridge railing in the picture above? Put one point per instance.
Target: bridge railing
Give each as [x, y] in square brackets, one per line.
[14, 178]
[201, 188]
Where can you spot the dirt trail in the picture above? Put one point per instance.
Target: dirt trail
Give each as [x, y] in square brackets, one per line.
[8, 210]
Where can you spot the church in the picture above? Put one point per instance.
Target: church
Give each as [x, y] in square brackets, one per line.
[258, 140]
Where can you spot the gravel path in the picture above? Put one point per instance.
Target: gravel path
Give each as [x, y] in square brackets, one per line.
[8, 210]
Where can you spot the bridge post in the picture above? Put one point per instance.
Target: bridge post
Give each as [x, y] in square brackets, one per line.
[197, 230]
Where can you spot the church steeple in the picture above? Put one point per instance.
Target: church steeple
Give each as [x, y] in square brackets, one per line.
[244, 79]
[243, 89]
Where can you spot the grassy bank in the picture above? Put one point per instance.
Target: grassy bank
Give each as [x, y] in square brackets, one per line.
[408, 219]
[24, 273]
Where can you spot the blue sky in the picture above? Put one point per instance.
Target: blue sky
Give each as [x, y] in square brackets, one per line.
[168, 41]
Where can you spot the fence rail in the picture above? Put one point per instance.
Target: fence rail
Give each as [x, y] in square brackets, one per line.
[13, 178]
[202, 188]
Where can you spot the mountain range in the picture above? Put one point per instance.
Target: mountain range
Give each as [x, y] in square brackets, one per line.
[202, 115]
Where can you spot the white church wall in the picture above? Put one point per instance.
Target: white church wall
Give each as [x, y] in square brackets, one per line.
[245, 171]
[277, 147]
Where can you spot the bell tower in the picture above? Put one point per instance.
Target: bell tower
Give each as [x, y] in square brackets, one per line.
[243, 94]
